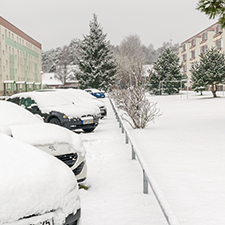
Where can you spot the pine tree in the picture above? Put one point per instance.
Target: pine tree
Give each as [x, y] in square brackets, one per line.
[96, 62]
[167, 76]
[211, 69]
[197, 77]
[213, 8]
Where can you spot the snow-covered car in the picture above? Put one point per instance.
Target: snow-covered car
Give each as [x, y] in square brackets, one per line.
[55, 140]
[54, 108]
[95, 92]
[89, 99]
[36, 188]
[78, 95]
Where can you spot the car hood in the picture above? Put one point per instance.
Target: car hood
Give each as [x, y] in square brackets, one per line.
[45, 134]
[73, 110]
[34, 182]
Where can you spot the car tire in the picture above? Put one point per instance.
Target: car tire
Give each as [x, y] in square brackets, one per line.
[55, 121]
[88, 130]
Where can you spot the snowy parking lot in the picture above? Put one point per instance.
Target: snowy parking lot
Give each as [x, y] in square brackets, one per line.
[184, 149]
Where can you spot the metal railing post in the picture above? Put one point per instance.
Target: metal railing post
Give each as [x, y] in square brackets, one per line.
[145, 183]
[133, 152]
[127, 141]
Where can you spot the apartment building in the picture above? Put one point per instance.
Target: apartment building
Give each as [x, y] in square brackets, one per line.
[20, 60]
[190, 50]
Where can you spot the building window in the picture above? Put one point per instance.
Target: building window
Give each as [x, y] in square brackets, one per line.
[184, 47]
[184, 68]
[184, 57]
[219, 44]
[193, 42]
[218, 29]
[204, 36]
[3, 37]
[203, 49]
[192, 54]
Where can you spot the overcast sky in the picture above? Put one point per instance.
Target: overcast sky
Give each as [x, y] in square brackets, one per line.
[54, 23]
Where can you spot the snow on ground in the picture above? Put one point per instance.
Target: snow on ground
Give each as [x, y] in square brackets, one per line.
[185, 151]
[115, 181]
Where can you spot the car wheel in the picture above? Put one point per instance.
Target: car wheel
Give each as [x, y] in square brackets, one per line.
[55, 121]
[88, 130]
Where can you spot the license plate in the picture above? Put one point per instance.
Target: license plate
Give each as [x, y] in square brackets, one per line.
[45, 222]
[87, 121]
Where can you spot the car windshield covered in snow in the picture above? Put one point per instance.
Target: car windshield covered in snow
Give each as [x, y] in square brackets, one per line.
[46, 99]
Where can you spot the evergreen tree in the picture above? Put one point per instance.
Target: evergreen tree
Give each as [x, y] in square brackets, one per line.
[211, 69]
[167, 76]
[213, 8]
[95, 59]
[197, 77]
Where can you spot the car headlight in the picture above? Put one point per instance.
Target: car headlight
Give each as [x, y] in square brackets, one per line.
[64, 116]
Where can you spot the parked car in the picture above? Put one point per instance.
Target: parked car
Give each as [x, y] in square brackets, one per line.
[78, 95]
[36, 188]
[55, 140]
[95, 92]
[54, 108]
[89, 99]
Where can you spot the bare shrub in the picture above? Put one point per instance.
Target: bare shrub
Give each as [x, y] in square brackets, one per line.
[137, 110]
[131, 84]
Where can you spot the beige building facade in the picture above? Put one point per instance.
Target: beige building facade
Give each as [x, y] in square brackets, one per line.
[190, 50]
[20, 60]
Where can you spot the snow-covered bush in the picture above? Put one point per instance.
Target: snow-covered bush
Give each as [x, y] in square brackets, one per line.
[136, 109]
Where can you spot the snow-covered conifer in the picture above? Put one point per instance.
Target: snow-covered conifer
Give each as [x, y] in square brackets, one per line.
[167, 75]
[95, 59]
[210, 70]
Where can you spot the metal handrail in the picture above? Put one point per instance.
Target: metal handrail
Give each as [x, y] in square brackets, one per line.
[148, 178]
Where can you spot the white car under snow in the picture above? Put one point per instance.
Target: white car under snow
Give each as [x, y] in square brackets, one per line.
[36, 188]
[54, 108]
[55, 140]
[83, 96]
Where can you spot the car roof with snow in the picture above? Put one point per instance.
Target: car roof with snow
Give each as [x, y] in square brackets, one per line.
[12, 114]
[34, 185]
[26, 127]
[54, 101]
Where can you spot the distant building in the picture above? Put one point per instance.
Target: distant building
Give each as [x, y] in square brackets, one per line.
[20, 60]
[50, 81]
[190, 50]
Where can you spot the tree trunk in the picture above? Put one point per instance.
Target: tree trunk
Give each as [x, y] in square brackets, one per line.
[214, 89]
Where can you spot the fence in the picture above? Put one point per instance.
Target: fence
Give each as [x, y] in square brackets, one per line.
[148, 179]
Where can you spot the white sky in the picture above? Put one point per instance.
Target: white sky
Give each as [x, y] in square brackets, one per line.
[55, 23]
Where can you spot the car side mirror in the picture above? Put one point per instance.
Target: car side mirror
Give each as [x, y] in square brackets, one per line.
[35, 107]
